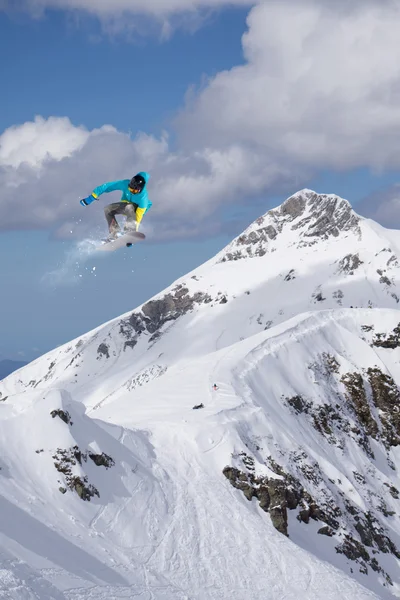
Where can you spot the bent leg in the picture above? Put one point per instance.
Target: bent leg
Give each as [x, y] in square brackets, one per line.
[117, 208]
[130, 213]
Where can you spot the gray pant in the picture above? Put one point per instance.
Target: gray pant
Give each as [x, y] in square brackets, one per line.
[127, 209]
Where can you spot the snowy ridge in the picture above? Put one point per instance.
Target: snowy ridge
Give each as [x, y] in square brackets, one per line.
[282, 482]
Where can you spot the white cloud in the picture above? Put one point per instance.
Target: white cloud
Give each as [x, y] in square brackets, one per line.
[383, 206]
[34, 143]
[67, 162]
[142, 17]
[320, 89]
[149, 7]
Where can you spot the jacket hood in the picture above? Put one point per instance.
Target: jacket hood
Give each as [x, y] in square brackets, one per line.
[146, 176]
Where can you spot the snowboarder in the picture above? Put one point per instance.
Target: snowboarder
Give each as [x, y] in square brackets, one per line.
[133, 204]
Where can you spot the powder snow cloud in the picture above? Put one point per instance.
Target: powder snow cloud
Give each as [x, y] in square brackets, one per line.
[319, 89]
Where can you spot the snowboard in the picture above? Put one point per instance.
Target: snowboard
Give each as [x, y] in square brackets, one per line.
[126, 239]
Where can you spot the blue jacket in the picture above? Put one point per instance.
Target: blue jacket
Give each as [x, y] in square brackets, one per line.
[141, 199]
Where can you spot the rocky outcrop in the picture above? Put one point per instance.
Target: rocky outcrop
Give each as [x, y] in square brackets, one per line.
[102, 460]
[275, 495]
[103, 350]
[63, 415]
[357, 397]
[391, 340]
[313, 216]
[156, 313]
[271, 494]
[66, 459]
[327, 215]
[386, 397]
[358, 534]
[349, 263]
[373, 397]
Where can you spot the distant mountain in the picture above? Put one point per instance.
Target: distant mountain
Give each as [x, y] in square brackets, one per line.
[9, 366]
[237, 436]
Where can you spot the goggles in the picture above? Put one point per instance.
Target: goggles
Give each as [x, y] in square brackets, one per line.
[136, 184]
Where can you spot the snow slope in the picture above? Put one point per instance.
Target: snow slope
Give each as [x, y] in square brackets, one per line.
[301, 434]
[8, 366]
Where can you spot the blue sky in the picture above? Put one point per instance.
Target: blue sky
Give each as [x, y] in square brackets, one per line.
[227, 126]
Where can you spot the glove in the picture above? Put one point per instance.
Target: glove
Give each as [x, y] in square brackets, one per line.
[88, 200]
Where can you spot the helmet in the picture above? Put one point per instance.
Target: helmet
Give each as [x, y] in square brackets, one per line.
[137, 184]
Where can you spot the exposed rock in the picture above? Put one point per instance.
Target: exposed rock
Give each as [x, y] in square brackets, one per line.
[352, 549]
[330, 362]
[66, 459]
[323, 417]
[63, 414]
[386, 397]
[156, 313]
[323, 216]
[275, 496]
[383, 278]
[393, 491]
[392, 261]
[294, 206]
[84, 490]
[263, 496]
[317, 295]
[328, 216]
[239, 480]
[326, 530]
[278, 516]
[349, 263]
[102, 460]
[292, 497]
[290, 275]
[135, 322]
[359, 477]
[130, 344]
[299, 404]
[197, 406]
[275, 467]
[338, 295]
[103, 350]
[357, 397]
[391, 341]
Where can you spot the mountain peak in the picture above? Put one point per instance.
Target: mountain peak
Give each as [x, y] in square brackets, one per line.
[304, 219]
[322, 215]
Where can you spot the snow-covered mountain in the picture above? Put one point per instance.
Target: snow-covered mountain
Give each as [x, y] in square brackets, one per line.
[236, 437]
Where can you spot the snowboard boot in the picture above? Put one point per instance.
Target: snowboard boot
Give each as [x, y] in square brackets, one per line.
[111, 238]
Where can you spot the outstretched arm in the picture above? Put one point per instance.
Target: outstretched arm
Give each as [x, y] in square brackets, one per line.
[110, 186]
